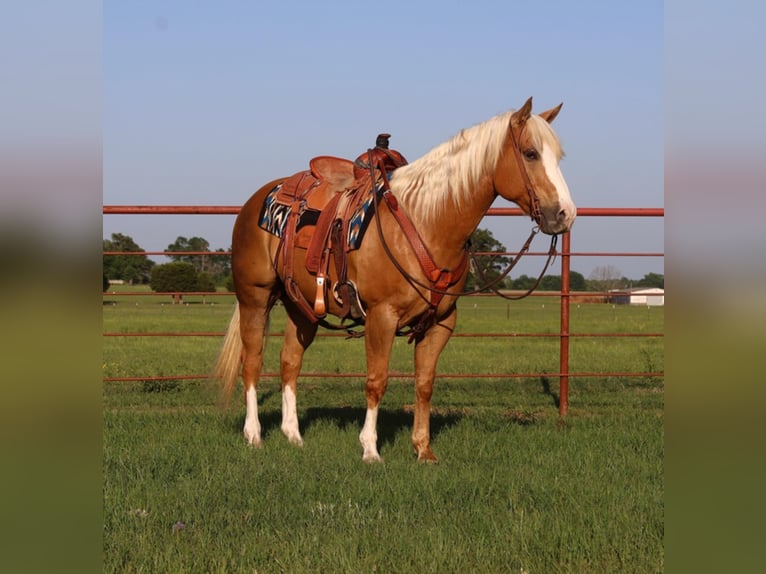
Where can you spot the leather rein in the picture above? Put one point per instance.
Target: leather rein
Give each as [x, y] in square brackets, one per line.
[442, 279]
[536, 214]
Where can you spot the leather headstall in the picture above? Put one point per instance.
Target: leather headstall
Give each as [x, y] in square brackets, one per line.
[535, 213]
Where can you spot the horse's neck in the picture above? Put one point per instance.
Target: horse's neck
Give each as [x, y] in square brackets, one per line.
[447, 235]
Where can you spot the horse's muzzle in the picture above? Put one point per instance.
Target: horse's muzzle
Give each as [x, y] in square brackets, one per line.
[557, 219]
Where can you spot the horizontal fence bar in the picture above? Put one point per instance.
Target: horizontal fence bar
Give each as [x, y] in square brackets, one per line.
[319, 375]
[234, 210]
[345, 335]
[574, 296]
[171, 210]
[168, 293]
[571, 253]
[477, 253]
[593, 211]
[168, 253]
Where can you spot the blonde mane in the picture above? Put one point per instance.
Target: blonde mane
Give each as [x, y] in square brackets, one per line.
[453, 169]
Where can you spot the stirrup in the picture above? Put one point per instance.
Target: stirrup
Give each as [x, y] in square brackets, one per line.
[355, 305]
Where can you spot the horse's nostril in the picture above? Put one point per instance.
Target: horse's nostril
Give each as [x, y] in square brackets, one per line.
[562, 215]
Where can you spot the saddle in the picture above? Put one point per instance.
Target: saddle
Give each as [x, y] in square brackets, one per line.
[322, 200]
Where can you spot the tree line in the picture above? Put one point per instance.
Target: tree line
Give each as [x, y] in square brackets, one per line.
[198, 268]
[203, 270]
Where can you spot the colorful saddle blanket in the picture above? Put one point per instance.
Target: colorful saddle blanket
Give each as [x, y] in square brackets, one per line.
[325, 211]
[274, 216]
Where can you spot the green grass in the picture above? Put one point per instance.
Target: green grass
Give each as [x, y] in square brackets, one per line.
[516, 489]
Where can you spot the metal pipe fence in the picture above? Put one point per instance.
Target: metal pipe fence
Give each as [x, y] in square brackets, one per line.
[565, 295]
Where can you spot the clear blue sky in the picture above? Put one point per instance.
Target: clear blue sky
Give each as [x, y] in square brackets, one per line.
[203, 102]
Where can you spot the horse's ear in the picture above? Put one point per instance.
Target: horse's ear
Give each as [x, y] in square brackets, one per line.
[550, 115]
[520, 116]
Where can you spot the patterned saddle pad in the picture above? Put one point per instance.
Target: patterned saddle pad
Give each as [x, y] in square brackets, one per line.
[274, 217]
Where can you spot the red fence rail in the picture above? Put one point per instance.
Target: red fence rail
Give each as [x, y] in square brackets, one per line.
[564, 335]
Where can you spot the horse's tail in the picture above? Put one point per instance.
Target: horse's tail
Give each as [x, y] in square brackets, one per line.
[228, 364]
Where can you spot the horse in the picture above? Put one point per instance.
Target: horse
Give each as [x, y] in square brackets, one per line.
[443, 195]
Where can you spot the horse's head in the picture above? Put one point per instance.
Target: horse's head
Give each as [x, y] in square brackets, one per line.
[528, 171]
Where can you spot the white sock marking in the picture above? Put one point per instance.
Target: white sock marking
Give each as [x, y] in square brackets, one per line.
[290, 416]
[252, 429]
[369, 436]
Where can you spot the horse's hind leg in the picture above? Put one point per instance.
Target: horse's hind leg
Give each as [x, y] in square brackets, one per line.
[427, 352]
[299, 334]
[254, 315]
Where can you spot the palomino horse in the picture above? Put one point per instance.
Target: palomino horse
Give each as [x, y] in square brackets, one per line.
[444, 195]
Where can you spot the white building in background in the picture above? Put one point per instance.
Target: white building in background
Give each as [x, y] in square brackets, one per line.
[650, 296]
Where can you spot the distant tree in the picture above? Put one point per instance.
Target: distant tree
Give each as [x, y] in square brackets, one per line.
[217, 266]
[551, 283]
[523, 282]
[220, 266]
[491, 266]
[180, 277]
[129, 268]
[106, 283]
[205, 282]
[604, 278]
[200, 262]
[228, 282]
[577, 281]
[652, 280]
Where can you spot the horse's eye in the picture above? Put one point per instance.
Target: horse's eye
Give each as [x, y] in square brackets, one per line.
[531, 155]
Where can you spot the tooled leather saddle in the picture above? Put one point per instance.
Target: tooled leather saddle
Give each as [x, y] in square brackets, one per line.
[324, 210]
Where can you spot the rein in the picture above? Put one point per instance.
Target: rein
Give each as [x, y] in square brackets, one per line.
[488, 284]
[492, 284]
[536, 215]
[442, 279]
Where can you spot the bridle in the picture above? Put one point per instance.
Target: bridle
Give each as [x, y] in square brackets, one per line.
[535, 212]
[440, 283]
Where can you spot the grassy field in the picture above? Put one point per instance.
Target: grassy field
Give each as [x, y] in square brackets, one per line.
[517, 489]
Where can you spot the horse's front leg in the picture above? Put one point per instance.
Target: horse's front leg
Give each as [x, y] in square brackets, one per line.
[427, 352]
[299, 334]
[379, 337]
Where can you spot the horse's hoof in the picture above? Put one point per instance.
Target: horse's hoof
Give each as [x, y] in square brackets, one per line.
[372, 458]
[293, 435]
[297, 441]
[428, 457]
[253, 439]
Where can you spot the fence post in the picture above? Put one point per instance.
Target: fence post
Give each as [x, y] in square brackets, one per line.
[564, 333]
